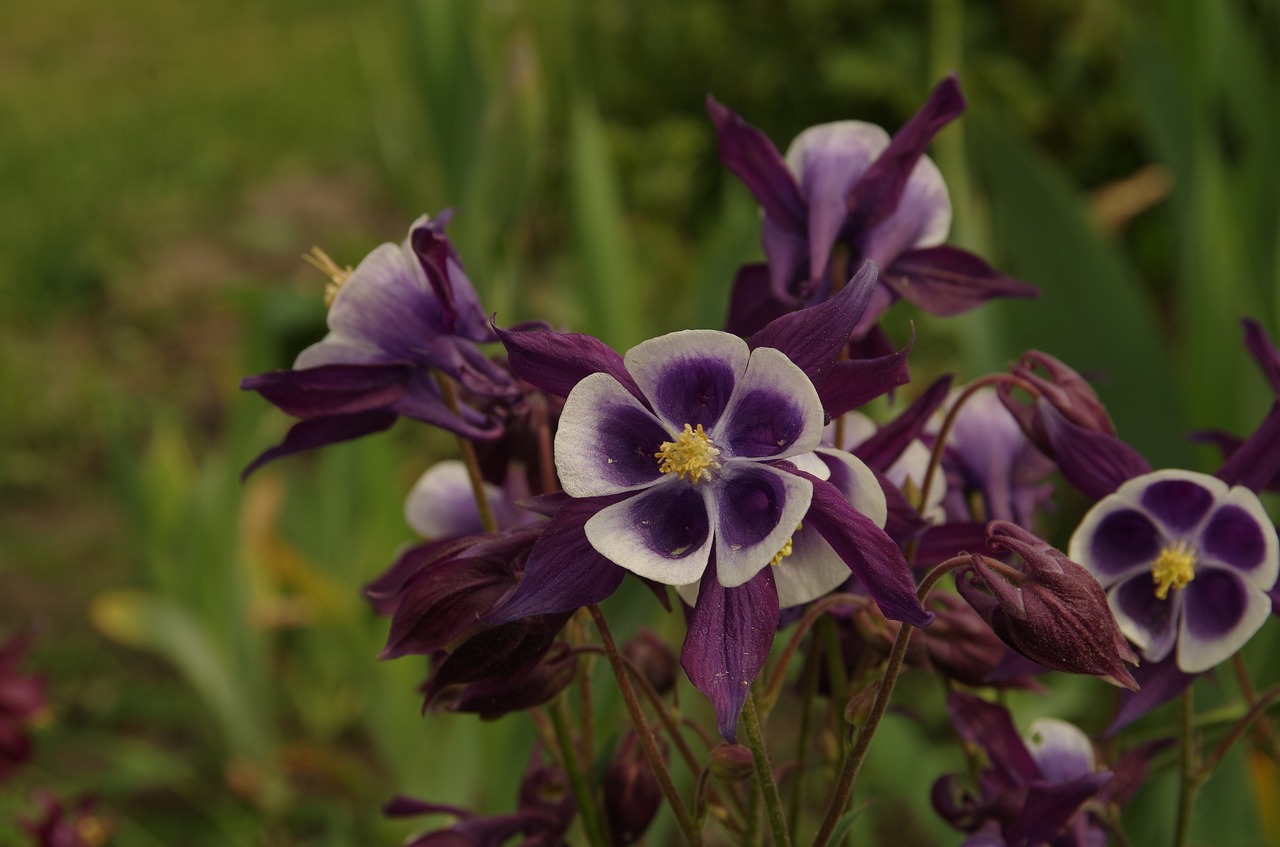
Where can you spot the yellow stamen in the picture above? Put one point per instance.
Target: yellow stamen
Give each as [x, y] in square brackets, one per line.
[1175, 567]
[786, 548]
[691, 455]
[337, 274]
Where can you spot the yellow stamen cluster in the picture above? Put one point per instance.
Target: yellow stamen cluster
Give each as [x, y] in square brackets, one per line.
[337, 274]
[786, 548]
[691, 455]
[1175, 567]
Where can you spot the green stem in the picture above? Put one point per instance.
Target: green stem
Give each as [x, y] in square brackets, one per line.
[1189, 781]
[809, 675]
[647, 742]
[582, 794]
[764, 773]
[1260, 705]
[468, 451]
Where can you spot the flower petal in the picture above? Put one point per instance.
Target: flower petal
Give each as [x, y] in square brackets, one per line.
[557, 361]
[758, 509]
[854, 382]
[317, 432]
[1145, 619]
[1220, 614]
[948, 281]
[607, 441]
[728, 639]
[1255, 463]
[332, 389]
[1094, 462]
[752, 304]
[1061, 750]
[751, 156]
[1179, 501]
[1241, 536]
[1159, 683]
[921, 219]
[1115, 539]
[775, 411]
[387, 303]
[663, 534]
[688, 376]
[883, 449]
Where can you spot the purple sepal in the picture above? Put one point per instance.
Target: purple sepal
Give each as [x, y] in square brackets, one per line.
[949, 281]
[883, 449]
[309, 434]
[989, 726]
[332, 389]
[557, 361]
[730, 631]
[1255, 464]
[528, 687]
[401, 806]
[752, 302]
[563, 572]
[460, 312]
[878, 192]
[495, 654]
[813, 338]
[868, 551]
[1264, 351]
[632, 794]
[383, 593]
[751, 156]
[1065, 389]
[1049, 807]
[1094, 462]
[903, 523]
[854, 382]
[1160, 682]
[945, 541]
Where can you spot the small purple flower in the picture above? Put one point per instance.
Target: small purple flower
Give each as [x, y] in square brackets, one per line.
[1187, 562]
[848, 183]
[406, 312]
[442, 505]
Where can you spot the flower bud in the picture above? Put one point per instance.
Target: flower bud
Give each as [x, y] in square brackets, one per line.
[654, 659]
[1069, 393]
[632, 794]
[732, 763]
[1057, 615]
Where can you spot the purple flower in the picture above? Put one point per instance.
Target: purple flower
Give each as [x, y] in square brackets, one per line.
[406, 312]
[442, 505]
[850, 184]
[1187, 562]
[1033, 788]
[22, 698]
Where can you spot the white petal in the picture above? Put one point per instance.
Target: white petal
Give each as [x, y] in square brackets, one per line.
[629, 540]
[741, 550]
[656, 363]
[603, 443]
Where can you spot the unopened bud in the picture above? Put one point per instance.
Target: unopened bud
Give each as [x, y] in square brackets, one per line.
[732, 763]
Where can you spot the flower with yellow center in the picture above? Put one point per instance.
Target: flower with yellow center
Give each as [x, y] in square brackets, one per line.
[1174, 568]
[691, 455]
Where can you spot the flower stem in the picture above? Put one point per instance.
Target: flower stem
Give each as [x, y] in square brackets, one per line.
[1189, 781]
[647, 742]
[1260, 705]
[816, 611]
[468, 451]
[764, 774]
[809, 676]
[587, 806]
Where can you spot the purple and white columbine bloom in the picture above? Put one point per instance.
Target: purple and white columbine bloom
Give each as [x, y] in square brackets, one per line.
[1187, 562]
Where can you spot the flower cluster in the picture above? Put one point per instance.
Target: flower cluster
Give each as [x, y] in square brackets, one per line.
[734, 472]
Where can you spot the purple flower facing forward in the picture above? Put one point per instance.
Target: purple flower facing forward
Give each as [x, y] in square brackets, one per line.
[1187, 562]
[696, 459]
[848, 183]
[406, 312]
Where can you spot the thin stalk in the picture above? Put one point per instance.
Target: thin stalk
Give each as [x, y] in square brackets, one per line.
[809, 676]
[578, 784]
[816, 611]
[647, 742]
[469, 459]
[1264, 733]
[1260, 705]
[764, 773]
[584, 693]
[1189, 780]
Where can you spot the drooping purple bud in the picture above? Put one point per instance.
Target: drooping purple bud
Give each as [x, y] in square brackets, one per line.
[732, 763]
[1067, 390]
[1057, 615]
[632, 794]
[527, 687]
[654, 658]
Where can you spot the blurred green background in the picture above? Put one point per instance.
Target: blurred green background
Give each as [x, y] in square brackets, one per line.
[163, 164]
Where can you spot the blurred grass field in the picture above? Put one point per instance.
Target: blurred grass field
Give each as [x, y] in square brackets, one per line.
[163, 165]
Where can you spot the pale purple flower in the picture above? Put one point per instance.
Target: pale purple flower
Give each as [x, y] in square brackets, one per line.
[1186, 561]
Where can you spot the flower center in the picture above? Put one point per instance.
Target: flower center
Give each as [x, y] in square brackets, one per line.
[691, 455]
[337, 274]
[1175, 567]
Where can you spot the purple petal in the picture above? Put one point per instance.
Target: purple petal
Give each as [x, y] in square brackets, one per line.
[1094, 462]
[1256, 463]
[689, 376]
[922, 218]
[1160, 682]
[949, 281]
[607, 442]
[555, 361]
[663, 534]
[332, 389]
[752, 303]
[869, 553]
[307, 435]
[775, 411]
[1145, 619]
[563, 571]
[423, 402]
[729, 634]
[855, 382]
[1179, 503]
[460, 311]
[883, 449]
[758, 508]
[1048, 808]
[1061, 750]
[940, 543]
[1235, 536]
[990, 727]
[751, 156]
[1114, 539]
[386, 303]
[1264, 351]
[1220, 614]
[877, 194]
[814, 337]
[787, 255]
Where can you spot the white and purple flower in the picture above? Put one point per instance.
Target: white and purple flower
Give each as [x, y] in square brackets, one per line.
[1187, 562]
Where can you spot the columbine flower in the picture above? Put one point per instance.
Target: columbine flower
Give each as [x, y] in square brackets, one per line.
[406, 311]
[442, 504]
[689, 462]
[849, 184]
[1187, 562]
